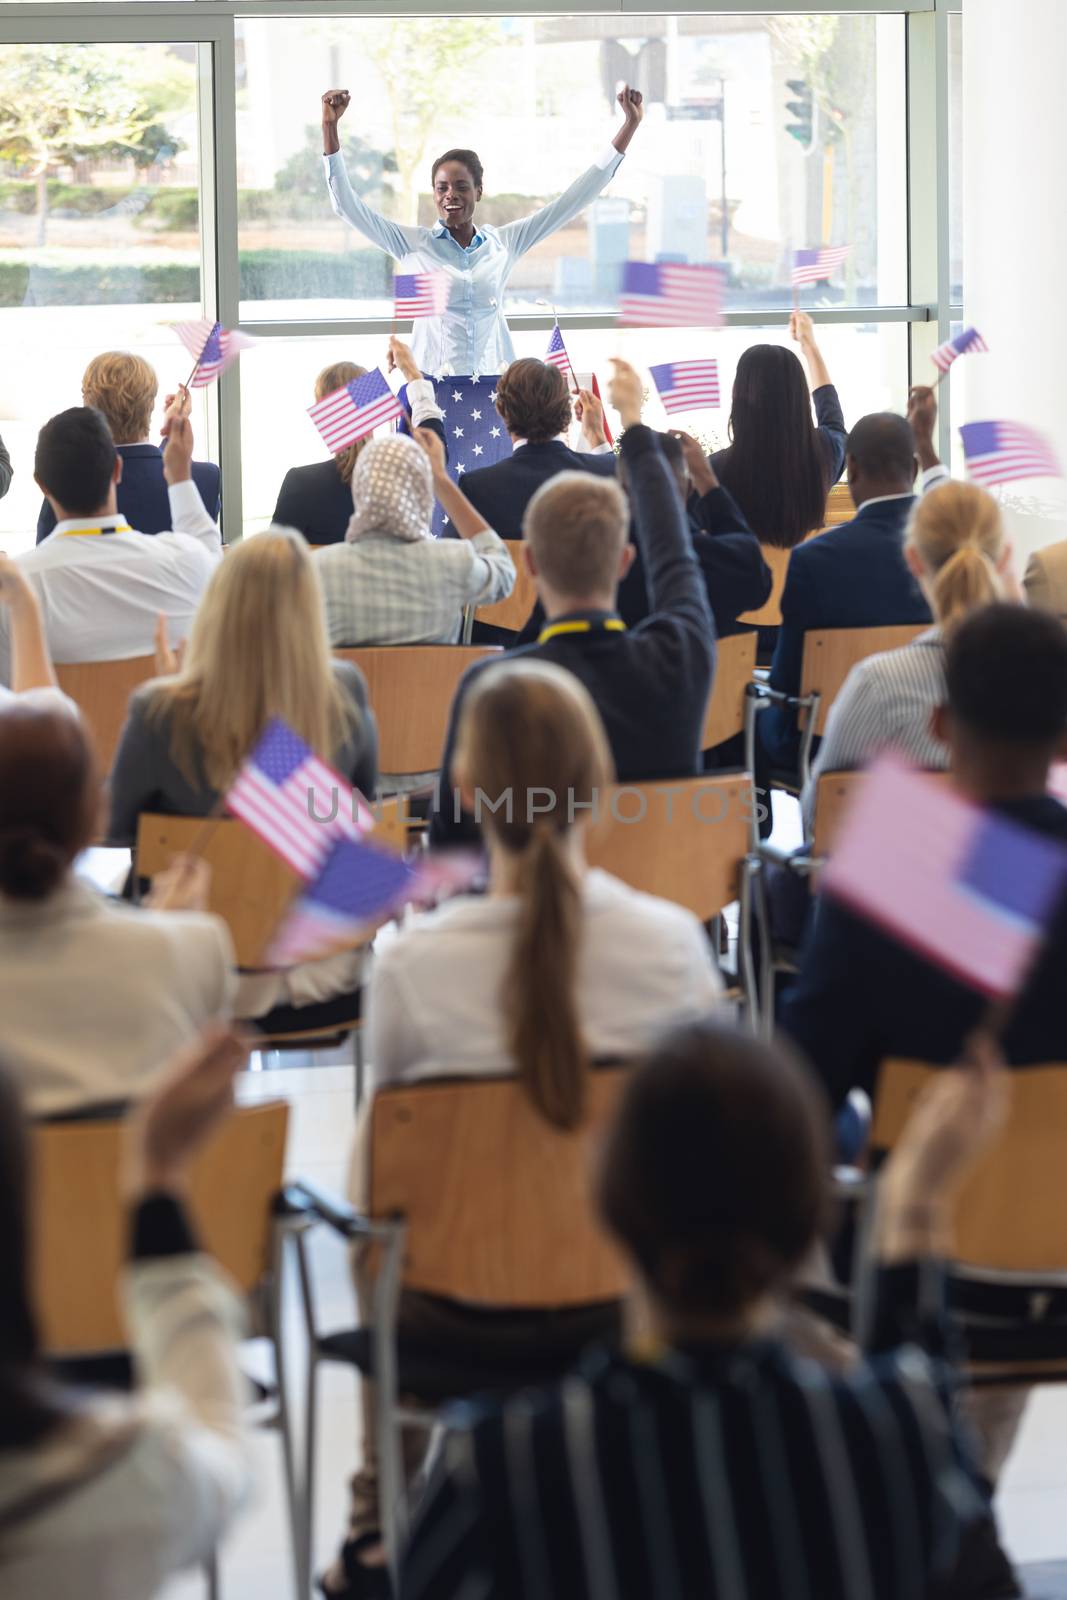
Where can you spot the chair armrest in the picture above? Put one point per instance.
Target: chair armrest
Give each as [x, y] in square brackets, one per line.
[804, 864]
[303, 1200]
[850, 1184]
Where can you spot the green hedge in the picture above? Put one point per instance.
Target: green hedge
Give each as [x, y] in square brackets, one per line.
[265, 275]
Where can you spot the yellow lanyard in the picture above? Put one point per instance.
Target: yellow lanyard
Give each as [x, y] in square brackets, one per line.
[605, 625]
[83, 533]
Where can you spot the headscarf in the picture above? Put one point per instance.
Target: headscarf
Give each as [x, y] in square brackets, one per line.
[392, 492]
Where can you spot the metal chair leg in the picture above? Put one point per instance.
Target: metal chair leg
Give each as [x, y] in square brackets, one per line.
[297, 1521]
[746, 970]
[310, 1414]
[359, 1064]
[211, 1575]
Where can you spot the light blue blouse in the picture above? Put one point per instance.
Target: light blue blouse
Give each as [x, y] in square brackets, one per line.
[471, 337]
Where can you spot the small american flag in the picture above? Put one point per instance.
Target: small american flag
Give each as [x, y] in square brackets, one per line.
[357, 409]
[357, 885]
[420, 294]
[688, 385]
[212, 347]
[1000, 452]
[296, 803]
[813, 266]
[556, 356]
[970, 341]
[970, 891]
[665, 295]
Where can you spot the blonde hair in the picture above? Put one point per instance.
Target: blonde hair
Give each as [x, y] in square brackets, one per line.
[530, 730]
[576, 525]
[329, 380]
[124, 387]
[258, 649]
[957, 533]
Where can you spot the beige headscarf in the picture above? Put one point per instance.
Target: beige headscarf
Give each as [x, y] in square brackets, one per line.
[392, 492]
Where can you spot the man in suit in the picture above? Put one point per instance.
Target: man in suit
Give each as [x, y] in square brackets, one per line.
[861, 998]
[650, 683]
[533, 401]
[852, 576]
[124, 388]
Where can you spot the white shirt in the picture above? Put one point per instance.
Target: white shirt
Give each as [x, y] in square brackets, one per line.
[100, 594]
[434, 1000]
[471, 336]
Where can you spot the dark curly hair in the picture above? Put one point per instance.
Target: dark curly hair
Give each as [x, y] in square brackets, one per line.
[467, 158]
[532, 398]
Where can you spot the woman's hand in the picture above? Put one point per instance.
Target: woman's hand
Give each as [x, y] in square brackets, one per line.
[625, 392]
[184, 886]
[334, 106]
[167, 661]
[590, 413]
[632, 105]
[170, 1128]
[802, 329]
[401, 357]
[701, 473]
[16, 591]
[430, 443]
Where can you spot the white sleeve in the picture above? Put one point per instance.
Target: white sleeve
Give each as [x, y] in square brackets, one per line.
[423, 403]
[523, 235]
[388, 236]
[933, 476]
[492, 570]
[189, 515]
[394, 1043]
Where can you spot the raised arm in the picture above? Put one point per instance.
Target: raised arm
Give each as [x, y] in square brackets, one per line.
[31, 664]
[395, 240]
[523, 235]
[189, 515]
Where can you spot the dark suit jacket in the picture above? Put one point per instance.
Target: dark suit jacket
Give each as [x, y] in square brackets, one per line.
[852, 576]
[142, 496]
[862, 998]
[503, 491]
[650, 683]
[316, 500]
[5, 470]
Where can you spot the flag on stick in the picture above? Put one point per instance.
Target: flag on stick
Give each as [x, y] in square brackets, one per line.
[356, 887]
[297, 804]
[1001, 452]
[814, 266]
[212, 347]
[354, 411]
[420, 294]
[968, 890]
[595, 387]
[556, 356]
[663, 294]
[688, 385]
[969, 342]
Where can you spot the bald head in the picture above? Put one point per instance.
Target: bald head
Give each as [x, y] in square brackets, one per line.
[880, 456]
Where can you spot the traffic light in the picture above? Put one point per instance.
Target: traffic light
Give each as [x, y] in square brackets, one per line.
[801, 109]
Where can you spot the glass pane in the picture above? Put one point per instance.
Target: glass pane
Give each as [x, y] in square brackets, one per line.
[99, 231]
[763, 135]
[868, 363]
[955, 153]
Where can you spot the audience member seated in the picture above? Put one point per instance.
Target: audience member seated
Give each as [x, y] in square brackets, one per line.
[391, 581]
[954, 545]
[257, 650]
[650, 683]
[861, 998]
[101, 584]
[708, 1458]
[852, 576]
[556, 968]
[317, 499]
[779, 467]
[96, 993]
[534, 404]
[113, 1495]
[124, 388]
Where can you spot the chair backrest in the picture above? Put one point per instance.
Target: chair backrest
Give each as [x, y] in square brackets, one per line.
[735, 662]
[101, 690]
[250, 885]
[497, 1202]
[769, 614]
[840, 506]
[411, 688]
[831, 653]
[1009, 1215]
[80, 1218]
[514, 612]
[684, 841]
[834, 794]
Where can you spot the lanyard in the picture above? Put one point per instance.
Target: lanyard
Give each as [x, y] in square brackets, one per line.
[582, 625]
[82, 533]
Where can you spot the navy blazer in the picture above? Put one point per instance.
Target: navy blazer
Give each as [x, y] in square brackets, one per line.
[852, 576]
[862, 998]
[503, 491]
[316, 500]
[142, 493]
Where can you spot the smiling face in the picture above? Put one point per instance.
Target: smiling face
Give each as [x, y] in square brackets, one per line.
[455, 194]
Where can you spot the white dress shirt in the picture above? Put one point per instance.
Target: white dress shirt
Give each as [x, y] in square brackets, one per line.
[100, 594]
[471, 336]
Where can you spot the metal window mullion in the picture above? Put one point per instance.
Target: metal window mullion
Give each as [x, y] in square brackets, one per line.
[929, 276]
[227, 273]
[105, 10]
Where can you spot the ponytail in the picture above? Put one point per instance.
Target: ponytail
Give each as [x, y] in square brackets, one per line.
[538, 996]
[967, 580]
[346, 459]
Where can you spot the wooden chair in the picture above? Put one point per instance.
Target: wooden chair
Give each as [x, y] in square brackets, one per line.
[769, 614]
[474, 1197]
[686, 841]
[840, 507]
[514, 612]
[734, 665]
[829, 656]
[411, 688]
[101, 690]
[834, 794]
